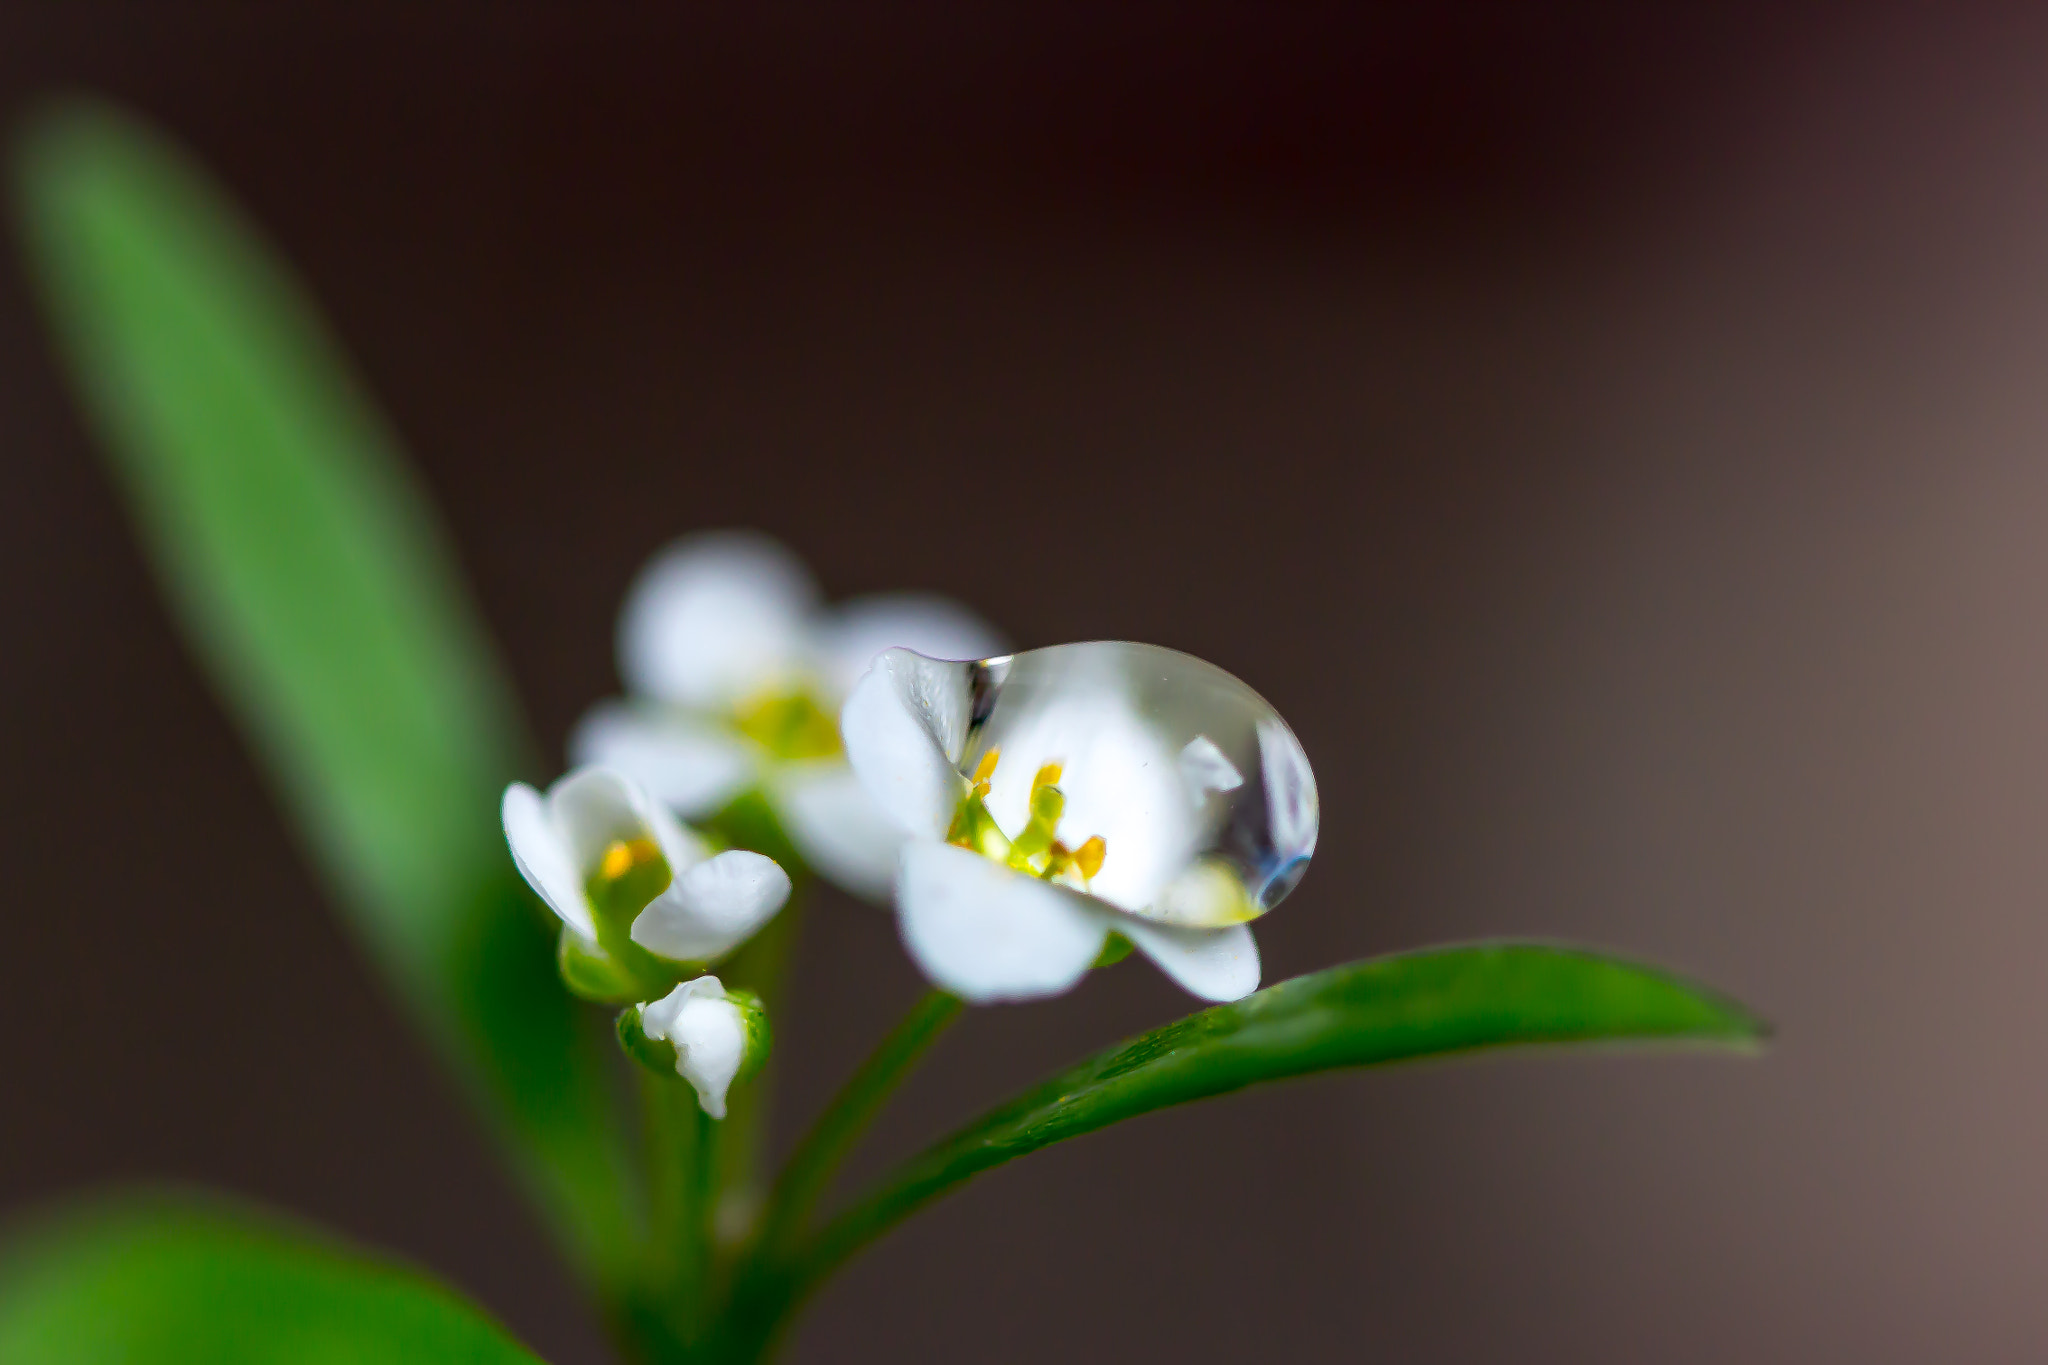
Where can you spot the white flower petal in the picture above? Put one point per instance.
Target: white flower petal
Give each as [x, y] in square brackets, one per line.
[658, 1017]
[708, 1033]
[681, 847]
[987, 933]
[713, 907]
[1216, 964]
[903, 728]
[544, 858]
[838, 826]
[715, 617]
[851, 634]
[592, 808]
[686, 764]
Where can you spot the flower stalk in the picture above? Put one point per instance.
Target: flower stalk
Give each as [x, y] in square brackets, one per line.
[739, 1181]
[818, 1157]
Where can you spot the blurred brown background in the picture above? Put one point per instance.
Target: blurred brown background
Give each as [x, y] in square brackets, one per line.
[1616, 445]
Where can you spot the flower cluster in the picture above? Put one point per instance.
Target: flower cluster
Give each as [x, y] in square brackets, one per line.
[735, 671]
[645, 908]
[1031, 815]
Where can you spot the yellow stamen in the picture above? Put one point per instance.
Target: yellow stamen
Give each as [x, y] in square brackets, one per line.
[985, 770]
[1036, 849]
[623, 855]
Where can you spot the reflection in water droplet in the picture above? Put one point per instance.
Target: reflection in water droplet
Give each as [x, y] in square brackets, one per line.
[1192, 799]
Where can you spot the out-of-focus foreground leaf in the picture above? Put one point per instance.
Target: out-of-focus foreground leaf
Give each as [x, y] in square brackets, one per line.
[159, 1280]
[310, 579]
[1420, 1004]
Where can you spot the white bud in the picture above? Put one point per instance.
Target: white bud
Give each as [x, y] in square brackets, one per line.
[712, 1033]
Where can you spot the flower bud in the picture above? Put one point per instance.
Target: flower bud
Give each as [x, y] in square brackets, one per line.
[701, 1032]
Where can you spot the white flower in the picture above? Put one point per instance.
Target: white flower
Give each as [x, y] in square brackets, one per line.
[630, 883]
[736, 670]
[713, 1034]
[1060, 796]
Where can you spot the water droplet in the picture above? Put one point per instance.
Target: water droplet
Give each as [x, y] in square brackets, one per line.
[1201, 798]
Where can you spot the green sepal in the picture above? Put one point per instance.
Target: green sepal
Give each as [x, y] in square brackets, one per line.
[593, 974]
[760, 1038]
[1115, 949]
[656, 1054]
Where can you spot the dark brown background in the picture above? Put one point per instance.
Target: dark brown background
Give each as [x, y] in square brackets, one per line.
[1616, 446]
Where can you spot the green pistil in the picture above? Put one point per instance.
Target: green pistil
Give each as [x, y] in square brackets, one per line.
[1035, 842]
[1035, 851]
[973, 827]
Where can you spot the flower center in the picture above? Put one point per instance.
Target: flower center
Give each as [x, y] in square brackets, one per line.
[1037, 848]
[791, 725]
[630, 873]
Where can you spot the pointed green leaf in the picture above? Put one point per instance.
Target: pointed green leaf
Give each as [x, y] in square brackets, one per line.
[1421, 1004]
[311, 581]
[161, 1280]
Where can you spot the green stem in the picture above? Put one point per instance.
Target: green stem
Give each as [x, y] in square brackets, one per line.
[697, 1287]
[770, 1283]
[739, 1184]
[682, 1154]
[661, 1318]
[763, 968]
[818, 1157]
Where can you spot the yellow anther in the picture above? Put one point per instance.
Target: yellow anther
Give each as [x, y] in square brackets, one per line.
[986, 769]
[1048, 776]
[1088, 857]
[623, 855]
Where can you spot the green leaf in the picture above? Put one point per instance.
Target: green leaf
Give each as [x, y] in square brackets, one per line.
[311, 581]
[161, 1280]
[1390, 1009]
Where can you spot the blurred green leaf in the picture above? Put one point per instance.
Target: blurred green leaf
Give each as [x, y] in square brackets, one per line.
[1390, 1009]
[310, 578]
[159, 1280]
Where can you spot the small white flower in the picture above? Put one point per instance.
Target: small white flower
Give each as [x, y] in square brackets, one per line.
[1062, 795]
[710, 1032]
[736, 670]
[623, 874]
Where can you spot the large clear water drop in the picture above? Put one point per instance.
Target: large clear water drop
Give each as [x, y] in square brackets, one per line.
[1201, 796]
